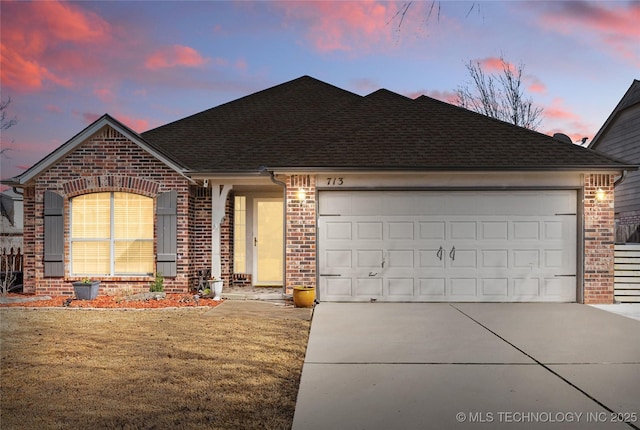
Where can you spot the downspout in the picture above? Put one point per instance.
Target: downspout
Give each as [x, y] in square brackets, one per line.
[284, 224]
[620, 179]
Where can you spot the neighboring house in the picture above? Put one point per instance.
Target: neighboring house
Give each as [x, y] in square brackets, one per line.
[620, 138]
[378, 197]
[11, 220]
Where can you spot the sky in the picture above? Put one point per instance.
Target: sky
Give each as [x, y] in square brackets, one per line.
[148, 63]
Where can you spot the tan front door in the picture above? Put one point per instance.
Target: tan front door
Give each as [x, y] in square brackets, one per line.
[268, 241]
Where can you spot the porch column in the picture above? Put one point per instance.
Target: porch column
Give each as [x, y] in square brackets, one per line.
[219, 195]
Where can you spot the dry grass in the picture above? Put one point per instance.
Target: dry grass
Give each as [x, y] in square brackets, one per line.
[151, 369]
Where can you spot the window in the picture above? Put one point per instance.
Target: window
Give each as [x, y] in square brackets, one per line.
[111, 234]
[240, 235]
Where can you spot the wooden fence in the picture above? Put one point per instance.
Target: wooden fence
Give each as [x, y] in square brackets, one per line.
[627, 273]
[11, 261]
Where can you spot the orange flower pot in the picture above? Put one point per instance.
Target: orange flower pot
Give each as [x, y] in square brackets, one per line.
[303, 297]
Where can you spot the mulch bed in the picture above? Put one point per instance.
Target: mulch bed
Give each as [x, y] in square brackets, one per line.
[111, 302]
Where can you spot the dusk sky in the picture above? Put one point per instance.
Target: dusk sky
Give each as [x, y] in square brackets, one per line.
[147, 63]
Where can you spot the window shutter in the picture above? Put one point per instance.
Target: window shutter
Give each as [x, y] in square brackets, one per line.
[166, 233]
[53, 234]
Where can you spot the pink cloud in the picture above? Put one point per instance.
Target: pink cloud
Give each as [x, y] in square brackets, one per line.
[535, 85]
[241, 64]
[343, 26]
[365, 85]
[445, 96]
[53, 108]
[105, 95]
[613, 24]
[174, 56]
[558, 112]
[136, 124]
[35, 37]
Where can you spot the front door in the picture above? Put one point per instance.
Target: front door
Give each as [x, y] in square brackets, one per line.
[268, 241]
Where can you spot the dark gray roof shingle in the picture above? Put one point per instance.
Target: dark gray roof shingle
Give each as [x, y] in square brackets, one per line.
[306, 123]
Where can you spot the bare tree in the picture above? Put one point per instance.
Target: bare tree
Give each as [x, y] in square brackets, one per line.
[433, 7]
[499, 96]
[5, 123]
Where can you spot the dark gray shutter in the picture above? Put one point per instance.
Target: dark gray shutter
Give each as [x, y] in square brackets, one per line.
[166, 233]
[53, 234]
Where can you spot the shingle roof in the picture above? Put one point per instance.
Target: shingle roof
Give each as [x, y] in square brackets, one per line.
[224, 138]
[306, 123]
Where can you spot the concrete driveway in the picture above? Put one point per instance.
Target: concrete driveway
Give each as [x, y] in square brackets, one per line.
[468, 366]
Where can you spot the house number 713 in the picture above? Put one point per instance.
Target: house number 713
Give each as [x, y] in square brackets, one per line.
[335, 181]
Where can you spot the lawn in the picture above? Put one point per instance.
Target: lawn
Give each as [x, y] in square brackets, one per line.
[148, 369]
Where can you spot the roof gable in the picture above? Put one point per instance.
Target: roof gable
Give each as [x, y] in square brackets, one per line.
[630, 98]
[77, 140]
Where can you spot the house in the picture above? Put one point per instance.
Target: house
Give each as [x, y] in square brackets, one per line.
[376, 197]
[11, 222]
[620, 137]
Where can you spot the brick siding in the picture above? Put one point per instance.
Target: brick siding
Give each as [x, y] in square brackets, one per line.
[599, 239]
[300, 254]
[107, 161]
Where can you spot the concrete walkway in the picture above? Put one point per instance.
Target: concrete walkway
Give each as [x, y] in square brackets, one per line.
[467, 366]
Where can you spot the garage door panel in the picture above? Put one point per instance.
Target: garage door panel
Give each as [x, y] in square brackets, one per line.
[369, 230]
[400, 258]
[526, 288]
[368, 287]
[337, 287]
[338, 258]
[526, 258]
[462, 230]
[472, 247]
[401, 230]
[401, 287]
[494, 230]
[463, 287]
[495, 258]
[432, 288]
[462, 258]
[526, 230]
[431, 258]
[338, 230]
[369, 258]
[559, 287]
[432, 230]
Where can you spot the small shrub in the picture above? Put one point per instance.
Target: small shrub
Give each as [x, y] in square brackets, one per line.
[157, 285]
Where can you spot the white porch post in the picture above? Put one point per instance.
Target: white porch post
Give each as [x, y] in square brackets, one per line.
[219, 195]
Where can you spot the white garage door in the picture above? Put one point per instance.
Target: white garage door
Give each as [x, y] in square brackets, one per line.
[490, 246]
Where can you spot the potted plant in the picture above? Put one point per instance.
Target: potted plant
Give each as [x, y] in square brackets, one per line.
[86, 289]
[304, 297]
[215, 285]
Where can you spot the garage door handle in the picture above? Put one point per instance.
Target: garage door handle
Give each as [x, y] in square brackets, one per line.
[452, 253]
[330, 274]
[439, 253]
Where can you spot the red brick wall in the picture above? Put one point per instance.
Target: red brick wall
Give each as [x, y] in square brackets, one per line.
[300, 254]
[105, 162]
[200, 231]
[599, 239]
